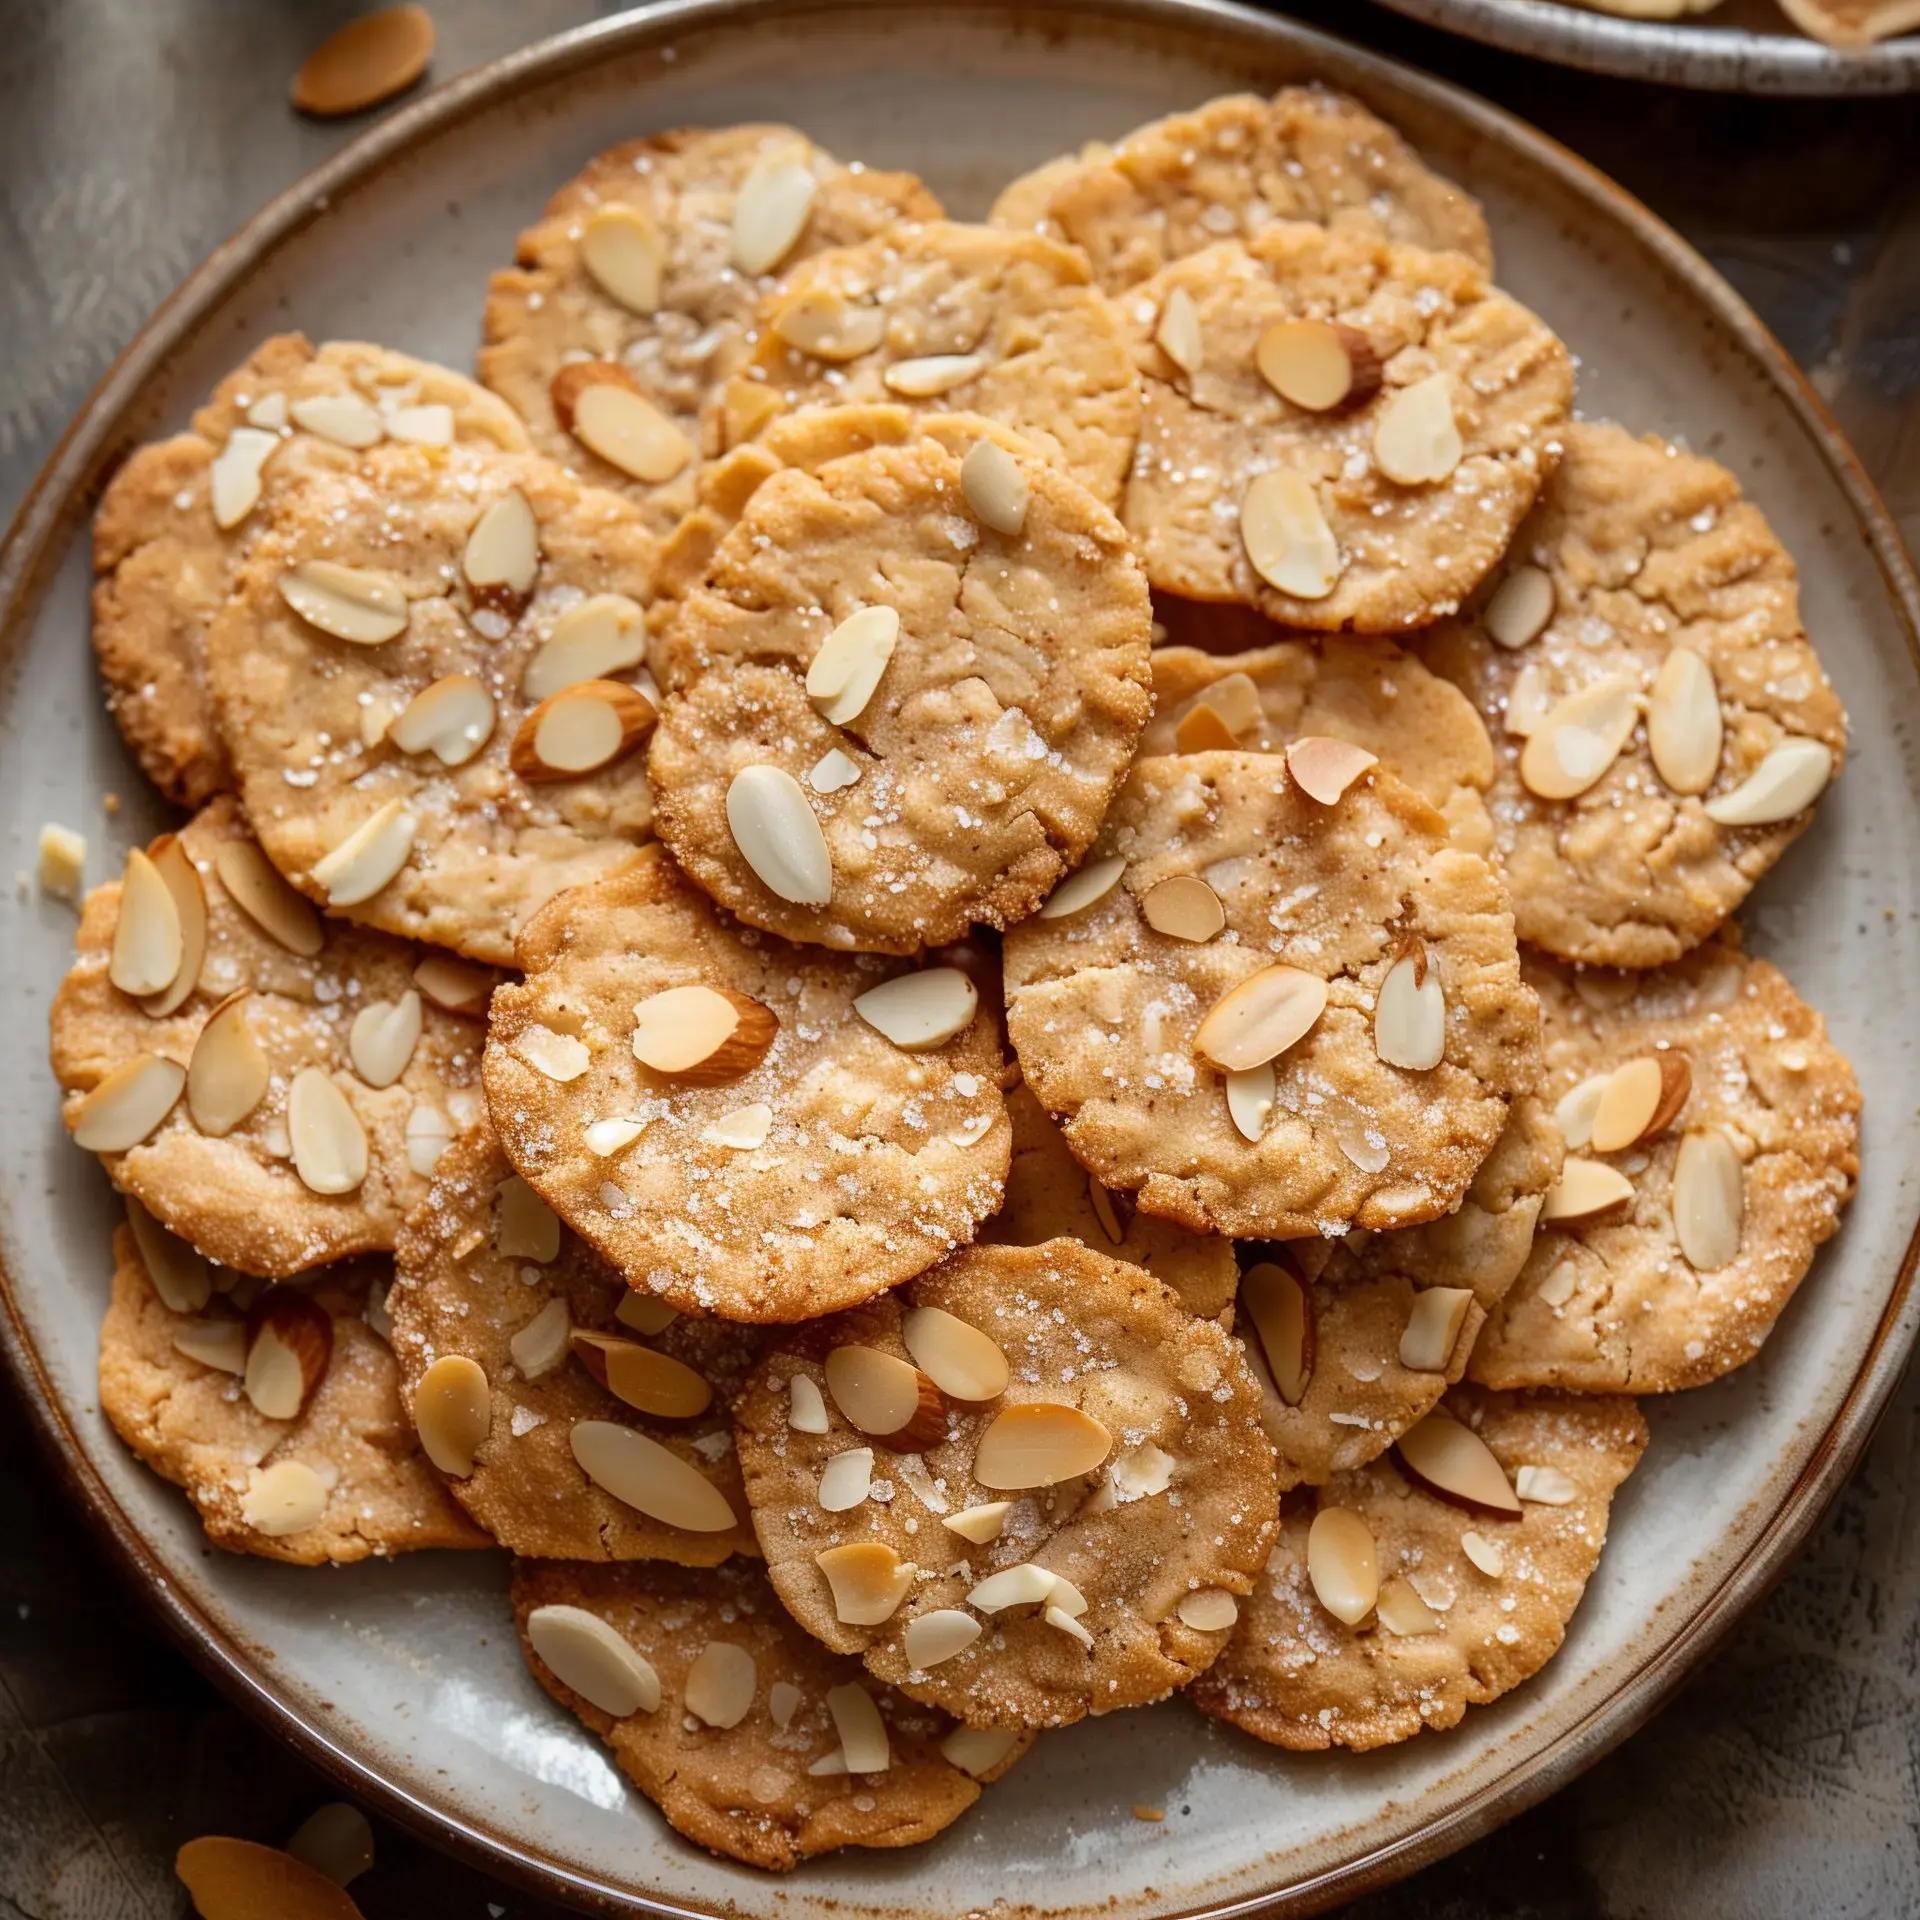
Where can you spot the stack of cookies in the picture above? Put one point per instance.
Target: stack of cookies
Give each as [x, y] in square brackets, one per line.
[978, 970]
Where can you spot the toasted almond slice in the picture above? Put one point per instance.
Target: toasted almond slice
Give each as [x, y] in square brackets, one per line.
[620, 246]
[1281, 1310]
[956, 1356]
[1574, 1114]
[128, 1105]
[1684, 728]
[1084, 889]
[1058, 1617]
[584, 1653]
[703, 1035]
[178, 1272]
[1545, 1487]
[368, 858]
[648, 1316]
[1410, 1015]
[1141, 1472]
[744, 1129]
[1454, 1464]
[654, 1382]
[868, 1580]
[1788, 781]
[563, 1058]
[502, 556]
[784, 1700]
[806, 1408]
[343, 419]
[845, 674]
[268, 412]
[882, 1394]
[381, 1041]
[1520, 608]
[429, 1135]
[1287, 538]
[935, 374]
[720, 1684]
[770, 212]
[1343, 1564]
[233, 479]
[581, 730]
[846, 1479]
[1024, 1585]
[1585, 1190]
[228, 1074]
[601, 635]
[329, 1143]
[1640, 1100]
[833, 771]
[1402, 1611]
[1204, 729]
[1262, 1017]
[1039, 1444]
[746, 406]
[456, 985]
[182, 878]
[863, 1734]
[995, 487]
[266, 899]
[219, 1344]
[1210, 1610]
[930, 1638]
[1114, 1211]
[452, 1411]
[650, 1478]
[1324, 768]
[147, 940]
[629, 432]
[368, 60]
[1416, 440]
[825, 325]
[1178, 333]
[921, 1010]
[63, 861]
[1708, 1200]
[1433, 1328]
[1318, 365]
[1488, 1555]
[350, 603]
[289, 1343]
[1184, 907]
[978, 1750]
[544, 1342]
[1578, 739]
[525, 1227]
[1528, 702]
[452, 719]
[1251, 1096]
[429, 425]
[778, 836]
[284, 1498]
[979, 1524]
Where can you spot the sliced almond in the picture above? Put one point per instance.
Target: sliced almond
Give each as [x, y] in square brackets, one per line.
[581, 730]
[653, 1382]
[525, 1227]
[868, 1580]
[266, 899]
[182, 878]
[1708, 1200]
[1402, 1611]
[601, 635]
[1324, 768]
[1433, 1328]
[883, 1395]
[452, 719]
[381, 1041]
[1578, 739]
[428, 425]
[1416, 440]
[1114, 1211]
[621, 248]
[1684, 728]
[845, 674]
[342, 419]
[921, 1010]
[1545, 1487]
[1039, 1444]
[456, 985]
[128, 1105]
[1287, 538]
[178, 1272]
[863, 1734]
[543, 1344]
[1023, 1585]
[289, 1344]
[1084, 889]
[1574, 1113]
[1262, 1017]
[979, 1524]
[995, 488]
[233, 479]
[934, 374]
[1641, 1099]
[1410, 1015]
[452, 1411]
[1251, 1096]
[1788, 781]
[778, 836]
[350, 603]
[930, 1638]
[1528, 702]
[1281, 1310]
[429, 1135]
[704, 1036]
[1521, 606]
[770, 212]
[1184, 907]
[228, 1074]
[846, 1479]
[956, 1356]
[287, 1497]
[832, 772]
[1343, 1564]
[1454, 1464]
[650, 1478]
[978, 1750]
[502, 556]
[646, 1315]
[720, 1684]
[219, 1344]
[746, 406]
[806, 1408]
[628, 431]
[555, 1056]
[827, 326]
[268, 412]
[329, 1143]
[1211, 1610]
[368, 858]
[147, 938]
[1585, 1190]
[1067, 1623]
[1178, 332]
[1318, 365]
[1488, 1555]
[784, 1700]
[584, 1653]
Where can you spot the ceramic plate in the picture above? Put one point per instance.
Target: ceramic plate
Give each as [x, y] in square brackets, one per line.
[404, 1678]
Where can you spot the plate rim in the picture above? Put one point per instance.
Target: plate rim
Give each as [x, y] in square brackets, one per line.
[61, 495]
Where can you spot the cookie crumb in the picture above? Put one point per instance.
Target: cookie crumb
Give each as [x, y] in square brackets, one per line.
[1148, 1813]
[63, 859]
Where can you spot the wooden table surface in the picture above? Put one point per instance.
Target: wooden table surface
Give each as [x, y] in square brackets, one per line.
[1783, 1782]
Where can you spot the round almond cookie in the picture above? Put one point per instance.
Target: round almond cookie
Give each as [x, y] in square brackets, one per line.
[750, 1737]
[1436, 1579]
[887, 719]
[280, 1096]
[1050, 1196]
[281, 1421]
[177, 517]
[1271, 1014]
[1026, 1488]
[1365, 691]
[1354, 1340]
[643, 275]
[1341, 432]
[1713, 1138]
[606, 1432]
[743, 1128]
[949, 317]
[1662, 724]
[418, 679]
[1232, 167]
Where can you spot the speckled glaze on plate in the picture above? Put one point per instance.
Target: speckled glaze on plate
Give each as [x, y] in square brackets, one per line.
[403, 1679]
[1742, 46]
